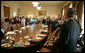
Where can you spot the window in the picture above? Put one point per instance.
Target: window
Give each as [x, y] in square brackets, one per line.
[63, 11]
[82, 26]
[70, 6]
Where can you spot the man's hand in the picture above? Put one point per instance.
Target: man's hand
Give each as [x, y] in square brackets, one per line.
[54, 33]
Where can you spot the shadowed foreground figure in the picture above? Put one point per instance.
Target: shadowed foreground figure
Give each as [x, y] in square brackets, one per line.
[69, 33]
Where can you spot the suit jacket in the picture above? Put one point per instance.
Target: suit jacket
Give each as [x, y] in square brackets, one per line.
[69, 33]
[44, 21]
[26, 19]
[15, 20]
[53, 25]
[7, 19]
[48, 23]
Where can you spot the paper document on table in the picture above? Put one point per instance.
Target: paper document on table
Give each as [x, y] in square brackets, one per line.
[40, 35]
[11, 32]
[44, 25]
[16, 30]
[26, 37]
[43, 30]
[27, 43]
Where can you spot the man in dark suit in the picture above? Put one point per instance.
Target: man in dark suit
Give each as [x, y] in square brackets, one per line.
[16, 20]
[44, 21]
[53, 24]
[69, 33]
[49, 24]
[7, 19]
[26, 21]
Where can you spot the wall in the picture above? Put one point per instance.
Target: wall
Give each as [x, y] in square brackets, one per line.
[31, 10]
[26, 10]
[13, 7]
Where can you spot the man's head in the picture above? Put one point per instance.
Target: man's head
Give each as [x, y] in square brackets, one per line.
[70, 13]
[17, 15]
[23, 17]
[48, 18]
[53, 18]
[58, 16]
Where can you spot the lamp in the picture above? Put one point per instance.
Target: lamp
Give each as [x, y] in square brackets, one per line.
[39, 8]
[35, 4]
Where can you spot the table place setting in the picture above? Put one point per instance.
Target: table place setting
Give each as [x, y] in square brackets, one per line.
[40, 35]
[10, 33]
[43, 31]
[27, 43]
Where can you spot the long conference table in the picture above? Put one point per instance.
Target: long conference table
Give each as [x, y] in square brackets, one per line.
[29, 38]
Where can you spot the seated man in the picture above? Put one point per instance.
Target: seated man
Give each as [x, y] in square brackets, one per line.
[44, 21]
[53, 24]
[69, 32]
[48, 23]
[56, 26]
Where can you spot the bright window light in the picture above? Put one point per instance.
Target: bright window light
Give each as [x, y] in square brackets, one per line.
[63, 12]
[14, 14]
[70, 5]
[82, 21]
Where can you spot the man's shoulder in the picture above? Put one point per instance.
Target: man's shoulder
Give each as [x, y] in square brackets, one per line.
[70, 22]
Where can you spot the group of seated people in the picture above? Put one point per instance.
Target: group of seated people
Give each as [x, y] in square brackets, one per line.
[53, 23]
[66, 28]
[17, 19]
[7, 24]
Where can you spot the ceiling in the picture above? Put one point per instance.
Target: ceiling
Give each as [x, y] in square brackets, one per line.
[43, 2]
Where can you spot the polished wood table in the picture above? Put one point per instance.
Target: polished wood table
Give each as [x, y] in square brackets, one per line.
[27, 32]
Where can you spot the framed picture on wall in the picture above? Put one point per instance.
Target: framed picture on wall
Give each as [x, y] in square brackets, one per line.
[6, 11]
[42, 13]
[18, 11]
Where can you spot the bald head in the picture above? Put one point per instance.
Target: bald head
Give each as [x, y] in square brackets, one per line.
[53, 18]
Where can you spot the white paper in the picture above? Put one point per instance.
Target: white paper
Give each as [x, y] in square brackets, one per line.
[40, 35]
[44, 25]
[11, 32]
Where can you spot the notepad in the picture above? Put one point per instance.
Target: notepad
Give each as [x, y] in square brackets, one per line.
[43, 30]
[40, 35]
[11, 32]
[44, 25]
[26, 37]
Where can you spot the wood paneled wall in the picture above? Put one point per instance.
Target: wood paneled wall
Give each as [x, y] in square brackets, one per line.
[75, 4]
